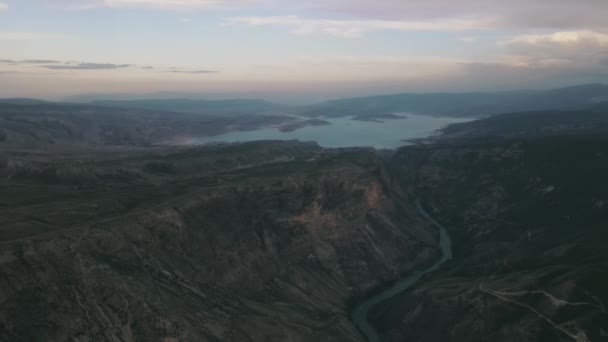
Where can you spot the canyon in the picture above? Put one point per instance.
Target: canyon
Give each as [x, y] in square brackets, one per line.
[108, 237]
[258, 242]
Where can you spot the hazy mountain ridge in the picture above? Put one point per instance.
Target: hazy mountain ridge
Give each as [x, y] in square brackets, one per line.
[25, 101]
[477, 104]
[215, 107]
[592, 120]
[464, 104]
[40, 124]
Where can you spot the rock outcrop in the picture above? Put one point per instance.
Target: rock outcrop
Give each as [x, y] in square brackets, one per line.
[254, 242]
[529, 237]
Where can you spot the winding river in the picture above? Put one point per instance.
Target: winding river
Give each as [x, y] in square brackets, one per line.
[360, 312]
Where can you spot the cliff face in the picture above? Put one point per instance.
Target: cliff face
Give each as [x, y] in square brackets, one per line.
[528, 222]
[254, 246]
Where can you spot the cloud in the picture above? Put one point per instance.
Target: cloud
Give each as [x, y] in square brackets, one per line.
[174, 5]
[373, 69]
[193, 71]
[551, 14]
[87, 66]
[29, 61]
[354, 18]
[18, 36]
[37, 61]
[66, 65]
[559, 58]
[3, 7]
[468, 39]
[170, 4]
[561, 40]
[577, 47]
[548, 14]
[534, 75]
[357, 28]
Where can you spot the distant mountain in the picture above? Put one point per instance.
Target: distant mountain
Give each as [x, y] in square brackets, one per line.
[34, 124]
[475, 104]
[533, 124]
[236, 106]
[23, 101]
[528, 219]
[464, 104]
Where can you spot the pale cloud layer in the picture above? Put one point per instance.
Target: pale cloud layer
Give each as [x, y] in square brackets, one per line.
[3, 7]
[174, 5]
[357, 69]
[579, 41]
[357, 28]
[86, 66]
[557, 14]
[193, 71]
[31, 65]
[576, 49]
[352, 18]
[513, 13]
[297, 46]
[21, 36]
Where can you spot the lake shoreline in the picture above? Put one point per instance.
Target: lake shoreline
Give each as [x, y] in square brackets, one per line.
[345, 132]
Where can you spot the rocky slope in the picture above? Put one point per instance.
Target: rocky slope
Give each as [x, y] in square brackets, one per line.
[528, 219]
[589, 120]
[253, 242]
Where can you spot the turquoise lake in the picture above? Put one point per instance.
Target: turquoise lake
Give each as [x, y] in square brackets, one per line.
[345, 132]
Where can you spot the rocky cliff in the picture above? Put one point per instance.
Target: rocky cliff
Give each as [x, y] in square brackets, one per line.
[528, 219]
[253, 242]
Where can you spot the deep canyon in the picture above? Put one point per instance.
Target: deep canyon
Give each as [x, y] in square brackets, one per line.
[107, 236]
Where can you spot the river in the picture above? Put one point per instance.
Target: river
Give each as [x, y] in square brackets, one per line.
[361, 311]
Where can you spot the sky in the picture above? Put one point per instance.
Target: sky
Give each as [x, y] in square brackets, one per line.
[297, 51]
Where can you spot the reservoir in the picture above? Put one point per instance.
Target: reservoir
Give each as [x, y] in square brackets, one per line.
[346, 132]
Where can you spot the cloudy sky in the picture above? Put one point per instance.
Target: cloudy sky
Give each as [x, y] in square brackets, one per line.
[297, 50]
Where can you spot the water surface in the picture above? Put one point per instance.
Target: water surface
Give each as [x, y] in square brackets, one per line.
[345, 132]
[361, 311]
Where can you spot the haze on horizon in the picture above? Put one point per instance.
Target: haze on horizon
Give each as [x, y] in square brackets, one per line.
[297, 51]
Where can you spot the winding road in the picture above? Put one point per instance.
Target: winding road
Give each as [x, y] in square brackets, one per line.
[360, 312]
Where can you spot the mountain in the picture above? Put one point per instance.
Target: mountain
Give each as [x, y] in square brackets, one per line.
[157, 243]
[522, 197]
[527, 217]
[107, 236]
[246, 242]
[464, 104]
[526, 124]
[37, 124]
[23, 101]
[216, 107]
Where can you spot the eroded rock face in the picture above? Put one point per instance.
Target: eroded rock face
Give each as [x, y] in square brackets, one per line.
[530, 243]
[270, 252]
